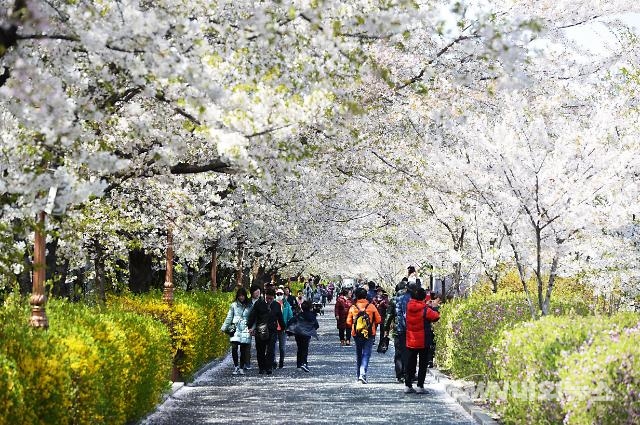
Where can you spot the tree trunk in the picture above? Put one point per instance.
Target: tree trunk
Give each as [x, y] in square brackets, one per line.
[100, 271]
[140, 271]
[260, 275]
[24, 278]
[62, 288]
[539, 267]
[214, 268]
[191, 277]
[51, 258]
[516, 256]
[458, 245]
[239, 265]
[552, 279]
[494, 282]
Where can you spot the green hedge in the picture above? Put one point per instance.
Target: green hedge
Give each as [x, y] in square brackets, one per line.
[600, 383]
[469, 328]
[194, 323]
[527, 359]
[88, 368]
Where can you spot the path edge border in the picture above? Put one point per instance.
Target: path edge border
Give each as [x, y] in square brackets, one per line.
[177, 386]
[480, 415]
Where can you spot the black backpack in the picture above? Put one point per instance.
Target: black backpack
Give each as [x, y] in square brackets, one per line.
[362, 323]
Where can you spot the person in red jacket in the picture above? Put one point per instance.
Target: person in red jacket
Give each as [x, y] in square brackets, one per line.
[419, 319]
[341, 310]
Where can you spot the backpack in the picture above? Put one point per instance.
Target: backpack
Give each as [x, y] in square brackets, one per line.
[362, 323]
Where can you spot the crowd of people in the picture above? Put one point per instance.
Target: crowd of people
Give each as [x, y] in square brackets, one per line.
[362, 311]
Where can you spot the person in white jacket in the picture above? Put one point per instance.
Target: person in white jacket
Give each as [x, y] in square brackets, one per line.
[237, 318]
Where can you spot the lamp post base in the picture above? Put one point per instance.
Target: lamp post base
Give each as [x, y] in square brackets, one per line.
[38, 318]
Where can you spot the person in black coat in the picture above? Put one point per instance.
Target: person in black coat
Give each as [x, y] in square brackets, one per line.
[304, 326]
[263, 324]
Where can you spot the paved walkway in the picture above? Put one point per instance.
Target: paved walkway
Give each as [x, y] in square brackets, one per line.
[327, 395]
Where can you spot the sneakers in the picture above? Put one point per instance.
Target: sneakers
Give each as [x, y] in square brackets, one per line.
[342, 342]
[240, 371]
[421, 390]
[363, 379]
[247, 367]
[236, 370]
[305, 368]
[409, 390]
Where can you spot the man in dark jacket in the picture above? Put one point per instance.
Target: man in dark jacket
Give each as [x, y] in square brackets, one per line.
[396, 318]
[263, 323]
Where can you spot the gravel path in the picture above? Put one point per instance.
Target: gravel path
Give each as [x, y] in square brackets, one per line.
[327, 395]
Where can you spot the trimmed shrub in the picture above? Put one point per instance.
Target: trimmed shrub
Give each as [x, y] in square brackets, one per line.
[527, 358]
[11, 392]
[474, 325]
[88, 368]
[445, 336]
[194, 324]
[45, 379]
[600, 383]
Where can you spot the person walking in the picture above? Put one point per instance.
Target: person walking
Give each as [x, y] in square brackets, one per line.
[434, 301]
[299, 301]
[304, 326]
[341, 311]
[363, 319]
[371, 291]
[291, 299]
[308, 290]
[381, 301]
[396, 319]
[420, 315]
[255, 291]
[263, 322]
[235, 324]
[281, 338]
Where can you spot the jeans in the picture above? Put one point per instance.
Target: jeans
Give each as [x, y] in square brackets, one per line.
[411, 359]
[281, 340]
[400, 346]
[364, 346]
[244, 354]
[302, 342]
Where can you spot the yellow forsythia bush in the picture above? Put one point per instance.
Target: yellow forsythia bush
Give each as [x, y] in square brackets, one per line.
[88, 368]
[194, 323]
[11, 393]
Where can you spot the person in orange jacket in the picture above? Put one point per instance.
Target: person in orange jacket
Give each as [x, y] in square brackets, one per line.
[420, 315]
[364, 339]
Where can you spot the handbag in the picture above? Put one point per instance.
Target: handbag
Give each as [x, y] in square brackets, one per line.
[292, 325]
[262, 331]
[231, 329]
[383, 345]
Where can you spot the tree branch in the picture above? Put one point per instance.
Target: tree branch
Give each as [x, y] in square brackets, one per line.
[217, 165]
[580, 22]
[433, 59]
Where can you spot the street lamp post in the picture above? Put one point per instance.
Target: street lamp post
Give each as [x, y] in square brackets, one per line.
[38, 299]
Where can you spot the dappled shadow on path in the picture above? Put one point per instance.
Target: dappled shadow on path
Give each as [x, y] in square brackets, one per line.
[327, 395]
